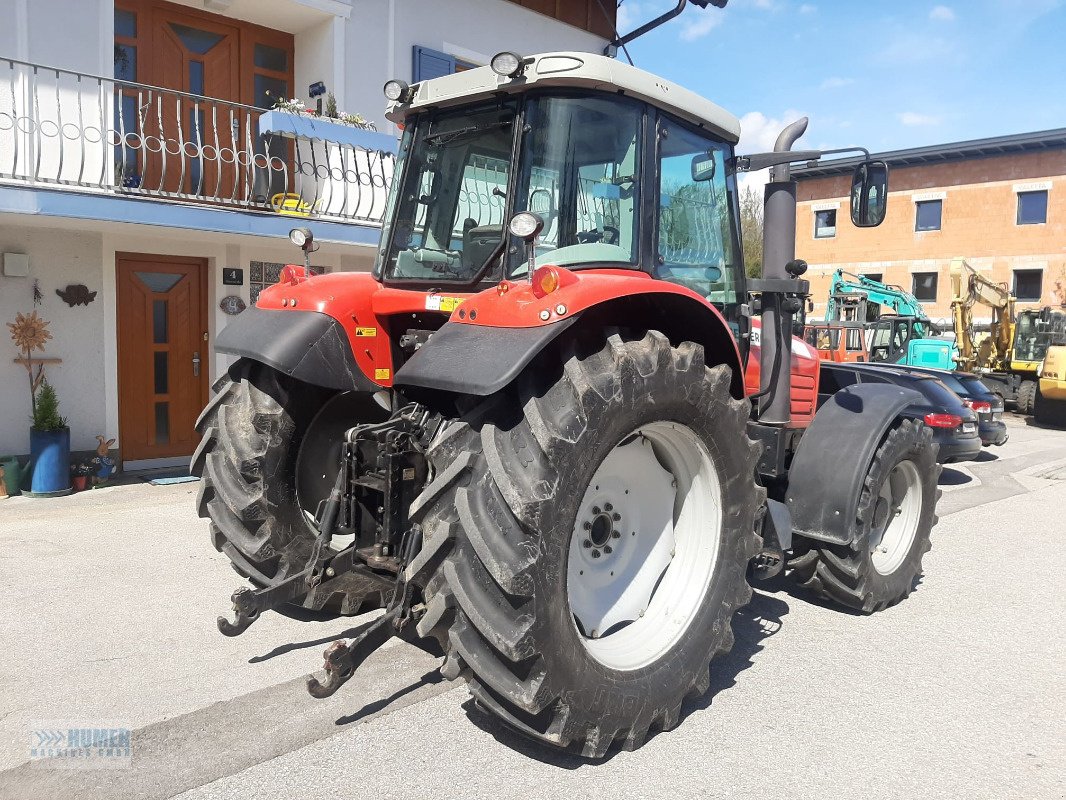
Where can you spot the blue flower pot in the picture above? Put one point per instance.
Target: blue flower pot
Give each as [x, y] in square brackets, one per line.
[50, 463]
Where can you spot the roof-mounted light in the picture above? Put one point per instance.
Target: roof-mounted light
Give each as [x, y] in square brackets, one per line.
[397, 91]
[508, 65]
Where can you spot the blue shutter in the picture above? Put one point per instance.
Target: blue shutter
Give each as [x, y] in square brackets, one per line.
[430, 64]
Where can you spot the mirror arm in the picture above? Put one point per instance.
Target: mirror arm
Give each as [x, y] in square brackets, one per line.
[758, 161]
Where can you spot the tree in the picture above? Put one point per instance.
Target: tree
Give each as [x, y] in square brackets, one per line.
[751, 230]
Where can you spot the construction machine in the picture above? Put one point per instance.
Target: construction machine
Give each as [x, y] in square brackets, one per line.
[1049, 406]
[1008, 359]
[548, 433]
[904, 336]
[841, 341]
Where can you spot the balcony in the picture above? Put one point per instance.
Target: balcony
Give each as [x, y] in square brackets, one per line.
[97, 136]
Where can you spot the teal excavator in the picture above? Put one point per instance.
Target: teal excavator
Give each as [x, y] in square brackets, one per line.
[903, 336]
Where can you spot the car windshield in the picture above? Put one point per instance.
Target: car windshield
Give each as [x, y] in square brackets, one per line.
[446, 220]
[935, 390]
[974, 386]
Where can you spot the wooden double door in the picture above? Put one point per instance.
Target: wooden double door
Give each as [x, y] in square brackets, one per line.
[162, 354]
[201, 143]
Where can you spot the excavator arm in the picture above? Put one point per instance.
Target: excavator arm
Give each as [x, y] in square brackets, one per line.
[970, 288]
[864, 293]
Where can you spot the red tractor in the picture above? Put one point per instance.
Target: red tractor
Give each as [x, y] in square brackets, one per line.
[543, 433]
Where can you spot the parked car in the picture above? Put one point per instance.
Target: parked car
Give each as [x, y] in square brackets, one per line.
[953, 423]
[986, 404]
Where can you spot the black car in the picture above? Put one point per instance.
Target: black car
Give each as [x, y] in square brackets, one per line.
[954, 425]
[974, 394]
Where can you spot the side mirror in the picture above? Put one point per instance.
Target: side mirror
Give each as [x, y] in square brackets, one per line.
[703, 167]
[869, 194]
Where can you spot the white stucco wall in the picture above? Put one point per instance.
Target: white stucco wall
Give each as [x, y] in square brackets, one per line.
[381, 35]
[57, 258]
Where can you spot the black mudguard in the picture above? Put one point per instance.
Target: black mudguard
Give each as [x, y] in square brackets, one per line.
[830, 465]
[475, 359]
[306, 345]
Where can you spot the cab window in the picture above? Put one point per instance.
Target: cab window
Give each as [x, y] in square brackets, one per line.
[697, 239]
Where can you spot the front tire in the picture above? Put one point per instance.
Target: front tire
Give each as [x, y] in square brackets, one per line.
[896, 512]
[1026, 401]
[1049, 412]
[635, 452]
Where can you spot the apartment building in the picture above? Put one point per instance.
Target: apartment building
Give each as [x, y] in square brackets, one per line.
[1000, 203]
[147, 187]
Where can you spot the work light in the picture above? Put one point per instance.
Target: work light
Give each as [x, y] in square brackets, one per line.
[507, 65]
[397, 91]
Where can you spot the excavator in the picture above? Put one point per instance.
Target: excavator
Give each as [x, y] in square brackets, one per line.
[1049, 406]
[1009, 359]
[905, 336]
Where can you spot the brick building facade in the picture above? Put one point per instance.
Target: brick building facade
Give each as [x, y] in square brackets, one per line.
[999, 203]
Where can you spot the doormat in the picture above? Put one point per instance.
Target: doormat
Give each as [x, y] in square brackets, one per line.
[169, 481]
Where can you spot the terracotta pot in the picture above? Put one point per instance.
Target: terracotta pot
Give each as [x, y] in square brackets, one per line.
[81, 483]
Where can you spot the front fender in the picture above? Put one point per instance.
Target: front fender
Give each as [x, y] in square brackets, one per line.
[830, 465]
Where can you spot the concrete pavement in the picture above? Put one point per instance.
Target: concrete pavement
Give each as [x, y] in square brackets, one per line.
[958, 692]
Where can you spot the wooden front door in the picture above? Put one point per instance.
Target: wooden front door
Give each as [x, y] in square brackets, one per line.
[162, 353]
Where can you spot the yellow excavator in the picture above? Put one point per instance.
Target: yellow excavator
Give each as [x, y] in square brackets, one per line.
[1050, 405]
[1009, 359]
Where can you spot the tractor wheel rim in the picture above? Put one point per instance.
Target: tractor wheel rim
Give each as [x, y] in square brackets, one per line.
[644, 546]
[902, 492]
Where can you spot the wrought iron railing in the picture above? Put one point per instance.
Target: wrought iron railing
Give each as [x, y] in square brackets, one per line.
[59, 127]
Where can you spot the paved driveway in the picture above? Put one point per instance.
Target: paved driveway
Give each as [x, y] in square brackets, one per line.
[110, 598]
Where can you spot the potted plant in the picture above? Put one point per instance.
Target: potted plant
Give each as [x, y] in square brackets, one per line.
[80, 474]
[49, 446]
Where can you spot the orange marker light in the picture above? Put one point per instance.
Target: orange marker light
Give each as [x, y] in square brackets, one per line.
[545, 281]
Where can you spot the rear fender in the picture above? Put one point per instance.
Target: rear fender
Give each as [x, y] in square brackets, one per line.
[834, 455]
[495, 334]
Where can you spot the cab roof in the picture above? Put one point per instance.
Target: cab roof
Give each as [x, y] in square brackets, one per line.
[570, 70]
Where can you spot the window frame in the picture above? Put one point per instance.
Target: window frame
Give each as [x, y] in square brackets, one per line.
[936, 286]
[1020, 195]
[918, 205]
[832, 235]
[1040, 284]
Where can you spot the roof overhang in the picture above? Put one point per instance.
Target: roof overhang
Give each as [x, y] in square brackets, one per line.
[570, 70]
[944, 153]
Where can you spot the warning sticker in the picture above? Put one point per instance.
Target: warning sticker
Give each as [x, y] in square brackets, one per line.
[436, 302]
[366, 331]
[382, 374]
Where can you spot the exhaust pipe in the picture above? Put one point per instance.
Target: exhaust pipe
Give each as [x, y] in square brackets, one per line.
[779, 250]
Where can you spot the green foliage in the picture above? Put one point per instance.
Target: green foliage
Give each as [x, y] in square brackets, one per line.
[751, 223]
[331, 105]
[46, 410]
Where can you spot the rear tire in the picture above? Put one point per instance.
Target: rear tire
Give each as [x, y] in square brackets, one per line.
[1026, 401]
[507, 545]
[252, 430]
[881, 567]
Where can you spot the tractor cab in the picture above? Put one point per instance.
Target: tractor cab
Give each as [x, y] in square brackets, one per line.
[638, 180]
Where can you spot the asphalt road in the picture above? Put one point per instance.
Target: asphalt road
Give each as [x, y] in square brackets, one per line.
[960, 692]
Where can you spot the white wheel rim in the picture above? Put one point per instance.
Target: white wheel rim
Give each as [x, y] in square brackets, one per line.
[644, 546]
[896, 517]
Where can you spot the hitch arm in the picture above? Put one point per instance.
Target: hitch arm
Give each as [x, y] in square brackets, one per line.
[248, 603]
[343, 659]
